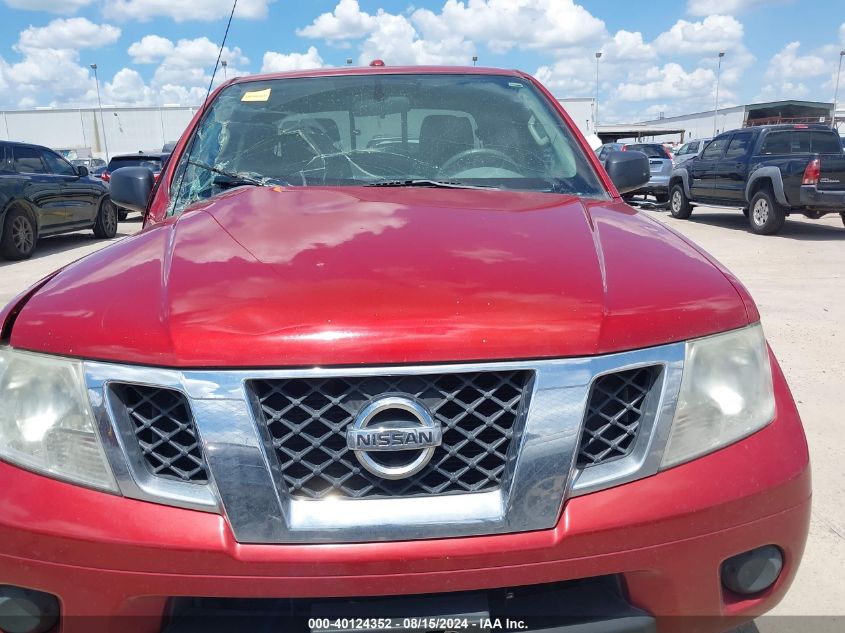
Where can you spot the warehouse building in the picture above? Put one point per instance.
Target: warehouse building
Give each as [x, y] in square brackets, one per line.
[707, 124]
[84, 132]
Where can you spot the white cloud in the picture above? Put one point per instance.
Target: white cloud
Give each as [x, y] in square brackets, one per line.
[127, 88]
[346, 22]
[150, 49]
[567, 79]
[726, 7]
[182, 10]
[714, 33]
[787, 63]
[787, 69]
[49, 69]
[71, 33]
[396, 41]
[188, 62]
[51, 72]
[274, 62]
[670, 81]
[500, 24]
[627, 47]
[503, 24]
[53, 6]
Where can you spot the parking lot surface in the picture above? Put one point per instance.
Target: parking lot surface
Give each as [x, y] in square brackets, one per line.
[798, 280]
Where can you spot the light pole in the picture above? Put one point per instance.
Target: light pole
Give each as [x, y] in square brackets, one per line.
[474, 60]
[596, 117]
[718, 74]
[836, 91]
[100, 105]
[224, 63]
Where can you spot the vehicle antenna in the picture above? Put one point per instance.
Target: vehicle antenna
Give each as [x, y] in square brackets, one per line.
[220, 54]
[189, 148]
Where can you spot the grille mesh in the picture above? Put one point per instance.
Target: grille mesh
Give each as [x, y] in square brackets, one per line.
[164, 427]
[307, 420]
[615, 410]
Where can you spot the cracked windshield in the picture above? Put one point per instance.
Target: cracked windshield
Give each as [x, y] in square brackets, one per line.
[444, 130]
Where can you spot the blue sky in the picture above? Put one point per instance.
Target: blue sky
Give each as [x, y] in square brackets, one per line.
[658, 56]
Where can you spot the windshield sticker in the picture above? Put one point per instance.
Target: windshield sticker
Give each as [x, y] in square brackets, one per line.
[256, 95]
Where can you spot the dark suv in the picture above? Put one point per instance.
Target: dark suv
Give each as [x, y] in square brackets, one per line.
[43, 194]
[769, 172]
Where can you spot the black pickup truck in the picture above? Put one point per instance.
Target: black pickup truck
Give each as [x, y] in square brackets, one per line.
[768, 171]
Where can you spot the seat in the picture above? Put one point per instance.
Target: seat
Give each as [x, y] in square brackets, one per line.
[443, 136]
[330, 128]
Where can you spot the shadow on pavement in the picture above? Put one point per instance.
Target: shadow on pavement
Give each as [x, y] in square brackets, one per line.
[60, 243]
[809, 230]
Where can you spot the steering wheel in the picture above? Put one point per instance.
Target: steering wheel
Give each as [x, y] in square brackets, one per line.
[472, 157]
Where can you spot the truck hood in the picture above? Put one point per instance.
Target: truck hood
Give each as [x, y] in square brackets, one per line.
[263, 277]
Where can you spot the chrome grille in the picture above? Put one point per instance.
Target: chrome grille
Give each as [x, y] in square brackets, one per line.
[306, 421]
[616, 407]
[164, 429]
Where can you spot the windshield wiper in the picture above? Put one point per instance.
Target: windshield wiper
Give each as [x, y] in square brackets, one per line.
[228, 179]
[426, 182]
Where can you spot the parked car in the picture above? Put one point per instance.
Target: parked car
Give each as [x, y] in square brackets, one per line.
[769, 172]
[689, 150]
[455, 376]
[154, 161]
[603, 150]
[42, 194]
[660, 165]
[151, 160]
[90, 164]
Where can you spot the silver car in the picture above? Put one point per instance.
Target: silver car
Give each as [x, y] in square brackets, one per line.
[689, 150]
[660, 164]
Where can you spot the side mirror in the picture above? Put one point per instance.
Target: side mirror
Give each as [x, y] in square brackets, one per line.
[629, 171]
[131, 187]
[82, 171]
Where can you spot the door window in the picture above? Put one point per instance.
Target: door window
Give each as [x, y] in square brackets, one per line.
[27, 161]
[714, 150]
[738, 145]
[57, 164]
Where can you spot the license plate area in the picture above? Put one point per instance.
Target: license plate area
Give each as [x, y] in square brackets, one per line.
[443, 612]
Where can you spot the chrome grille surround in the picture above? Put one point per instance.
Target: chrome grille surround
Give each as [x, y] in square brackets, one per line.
[247, 486]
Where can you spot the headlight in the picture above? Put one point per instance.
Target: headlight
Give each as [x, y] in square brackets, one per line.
[46, 423]
[726, 394]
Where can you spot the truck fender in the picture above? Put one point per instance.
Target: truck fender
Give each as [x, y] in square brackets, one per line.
[774, 176]
[681, 173]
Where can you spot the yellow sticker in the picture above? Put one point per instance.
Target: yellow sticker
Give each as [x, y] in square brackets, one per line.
[256, 95]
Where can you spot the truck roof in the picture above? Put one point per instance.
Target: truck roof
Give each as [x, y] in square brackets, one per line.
[380, 70]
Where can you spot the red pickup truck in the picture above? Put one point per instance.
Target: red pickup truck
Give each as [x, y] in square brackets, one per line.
[391, 352]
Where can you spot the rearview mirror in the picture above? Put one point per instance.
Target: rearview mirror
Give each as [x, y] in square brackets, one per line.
[81, 171]
[629, 171]
[131, 187]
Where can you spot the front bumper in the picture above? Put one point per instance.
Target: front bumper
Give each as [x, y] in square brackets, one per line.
[833, 201]
[116, 563]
